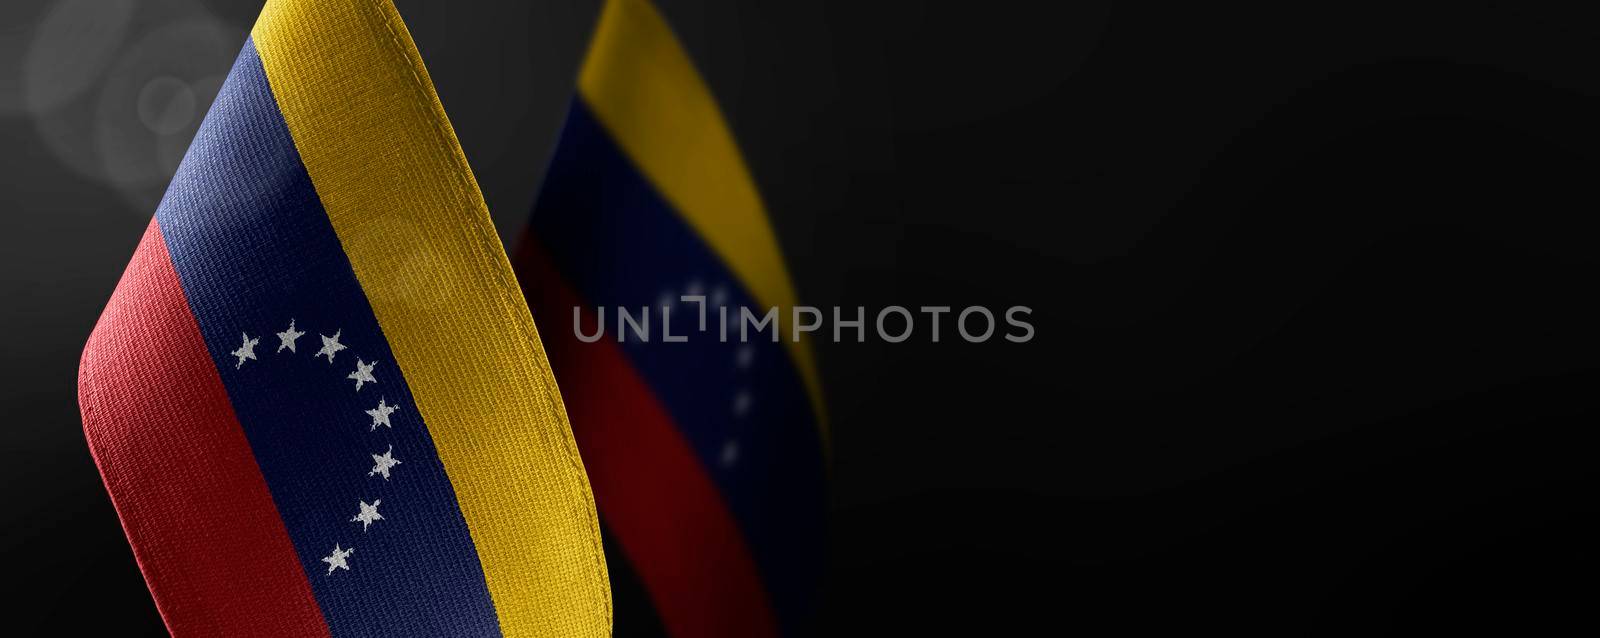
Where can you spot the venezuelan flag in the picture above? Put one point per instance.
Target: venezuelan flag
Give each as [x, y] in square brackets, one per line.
[317, 397]
[706, 456]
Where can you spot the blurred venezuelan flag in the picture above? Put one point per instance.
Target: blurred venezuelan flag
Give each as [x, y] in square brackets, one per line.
[706, 456]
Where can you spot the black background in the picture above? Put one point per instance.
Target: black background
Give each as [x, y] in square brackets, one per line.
[1313, 289]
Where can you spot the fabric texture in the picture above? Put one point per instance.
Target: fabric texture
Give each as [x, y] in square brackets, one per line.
[392, 174]
[414, 476]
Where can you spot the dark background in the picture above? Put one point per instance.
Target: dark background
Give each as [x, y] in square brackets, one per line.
[1313, 286]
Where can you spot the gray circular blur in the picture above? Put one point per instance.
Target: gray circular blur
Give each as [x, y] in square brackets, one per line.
[149, 107]
[116, 88]
[166, 105]
[71, 47]
[18, 19]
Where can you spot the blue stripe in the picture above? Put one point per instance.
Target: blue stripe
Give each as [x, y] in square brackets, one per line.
[618, 243]
[254, 249]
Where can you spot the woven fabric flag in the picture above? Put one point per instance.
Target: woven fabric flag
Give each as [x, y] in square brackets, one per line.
[707, 455]
[317, 397]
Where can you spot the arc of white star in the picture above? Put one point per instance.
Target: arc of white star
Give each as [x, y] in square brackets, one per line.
[287, 338]
[246, 351]
[742, 402]
[368, 514]
[363, 373]
[383, 463]
[380, 414]
[330, 346]
[338, 559]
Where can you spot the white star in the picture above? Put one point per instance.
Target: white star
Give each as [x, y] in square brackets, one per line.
[330, 345]
[742, 402]
[380, 414]
[363, 373]
[369, 513]
[730, 453]
[383, 463]
[745, 356]
[336, 560]
[719, 296]
[287, 338]
[246, 351]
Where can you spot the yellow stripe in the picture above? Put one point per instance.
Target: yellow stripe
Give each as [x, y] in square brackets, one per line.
[386, 164]
[642, 87]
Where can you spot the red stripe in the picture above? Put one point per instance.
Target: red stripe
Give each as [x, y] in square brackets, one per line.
[192, 501]
[650, 488]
